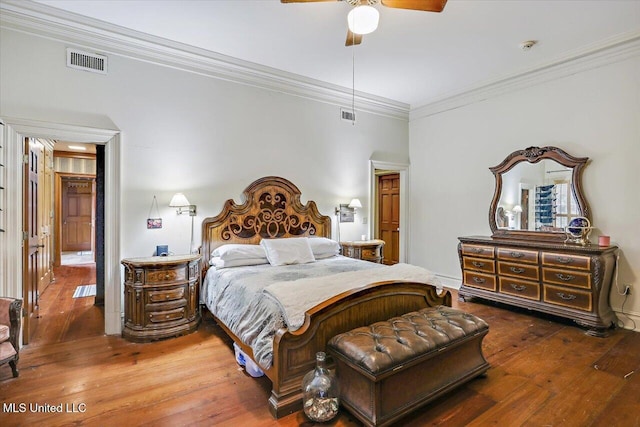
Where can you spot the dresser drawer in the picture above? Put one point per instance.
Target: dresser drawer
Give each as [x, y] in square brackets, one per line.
[519, 270]
[165, 275]
[166, 295]
[567, 297]
[479, 264]
[519, 255]
[564, 260]
[520, 288]
[480, 280]
[477, 250]
[166, 316]
[578, 279]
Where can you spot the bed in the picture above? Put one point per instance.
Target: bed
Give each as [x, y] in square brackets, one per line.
[272, 209]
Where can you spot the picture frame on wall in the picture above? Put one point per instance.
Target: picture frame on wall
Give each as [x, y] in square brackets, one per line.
[154, 223]
[347, 214]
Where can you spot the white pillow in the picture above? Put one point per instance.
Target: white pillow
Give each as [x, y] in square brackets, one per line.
[219, 263]
[295, 250]
[234, 251]
[323, 247]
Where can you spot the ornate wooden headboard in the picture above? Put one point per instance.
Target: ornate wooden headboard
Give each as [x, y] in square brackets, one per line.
[272, 209]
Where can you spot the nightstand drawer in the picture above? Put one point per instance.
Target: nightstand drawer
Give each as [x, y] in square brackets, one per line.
[166, 316]
[520, 255]
[519, 270]
[166, 295]
[477, 250]
[564, 260]
[479, 264]
[368, 253]
[578, 279]
[521, 288]
[567, 297]
[480, 280]
[166, 275]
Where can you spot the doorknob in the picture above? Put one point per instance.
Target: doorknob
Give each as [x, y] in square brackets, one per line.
[398, 229]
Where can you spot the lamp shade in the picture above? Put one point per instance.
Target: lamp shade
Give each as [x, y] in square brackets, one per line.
[363, 19]
[517, 209]
[355, 203]
[178, 200]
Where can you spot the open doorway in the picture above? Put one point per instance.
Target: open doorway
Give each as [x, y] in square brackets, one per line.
[70, 207]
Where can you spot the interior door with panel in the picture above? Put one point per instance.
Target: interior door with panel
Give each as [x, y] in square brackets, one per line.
[78, 201]
[389, 216]
[32, 244]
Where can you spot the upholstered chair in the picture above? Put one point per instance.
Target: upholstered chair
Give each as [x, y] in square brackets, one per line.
[9, 332]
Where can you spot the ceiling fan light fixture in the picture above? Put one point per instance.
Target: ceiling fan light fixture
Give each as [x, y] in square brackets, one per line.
[363, 19]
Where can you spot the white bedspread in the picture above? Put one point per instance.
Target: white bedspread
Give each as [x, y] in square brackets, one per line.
[297, 296]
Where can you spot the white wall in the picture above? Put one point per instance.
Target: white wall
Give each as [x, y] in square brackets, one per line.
[594, 113]
[204, 137]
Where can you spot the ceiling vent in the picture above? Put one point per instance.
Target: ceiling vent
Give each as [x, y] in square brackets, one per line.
[348, 115]
[86, 61]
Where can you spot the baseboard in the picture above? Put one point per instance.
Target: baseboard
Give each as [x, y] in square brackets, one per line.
[450, 282]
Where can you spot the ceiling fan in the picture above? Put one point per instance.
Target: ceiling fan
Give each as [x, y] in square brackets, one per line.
[363, 18]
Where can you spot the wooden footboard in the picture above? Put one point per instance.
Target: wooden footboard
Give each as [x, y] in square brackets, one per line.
[294, 353]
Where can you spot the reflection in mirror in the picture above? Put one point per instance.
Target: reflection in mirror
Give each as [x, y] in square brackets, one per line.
[537, 197]
[538, 192]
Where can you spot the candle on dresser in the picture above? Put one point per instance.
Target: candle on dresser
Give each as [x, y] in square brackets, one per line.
[604, 241]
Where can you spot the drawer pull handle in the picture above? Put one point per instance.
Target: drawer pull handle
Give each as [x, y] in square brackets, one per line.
[565, 277]
[566, 297]
[479, 279]
[517, 270]
[563, 260]
[518, 288]
[478, 264]
[478, 250]
[167, 276]
[517, 254]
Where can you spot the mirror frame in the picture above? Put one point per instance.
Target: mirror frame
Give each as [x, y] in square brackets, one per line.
[534, 155]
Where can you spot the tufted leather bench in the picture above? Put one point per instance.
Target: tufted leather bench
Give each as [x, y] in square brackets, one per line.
[388, 369]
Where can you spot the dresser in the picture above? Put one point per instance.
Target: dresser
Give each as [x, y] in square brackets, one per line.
[367, 250]
[565, 280]
[161, 297]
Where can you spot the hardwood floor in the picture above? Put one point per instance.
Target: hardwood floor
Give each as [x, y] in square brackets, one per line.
[543, 373]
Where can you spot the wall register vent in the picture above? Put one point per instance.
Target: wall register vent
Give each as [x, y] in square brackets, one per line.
[348, 115]
[86, 61]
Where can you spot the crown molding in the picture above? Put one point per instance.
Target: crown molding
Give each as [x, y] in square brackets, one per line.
[55, 24]
[101, 37]
[612, 50]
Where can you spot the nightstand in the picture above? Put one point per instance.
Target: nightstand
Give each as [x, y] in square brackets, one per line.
[161, 297]
[367, 250]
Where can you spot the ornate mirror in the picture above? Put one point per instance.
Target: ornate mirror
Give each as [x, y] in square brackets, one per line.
[538, 192]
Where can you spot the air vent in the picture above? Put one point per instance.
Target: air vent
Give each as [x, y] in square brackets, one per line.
[348, 115]
[86, 61]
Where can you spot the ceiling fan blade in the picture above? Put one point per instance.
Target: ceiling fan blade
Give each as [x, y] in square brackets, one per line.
[304, 1]
[353, 39]
[426, 5]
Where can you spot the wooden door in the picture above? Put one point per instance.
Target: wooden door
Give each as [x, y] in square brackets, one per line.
[32, 244]
[389, 216]
[77, 214]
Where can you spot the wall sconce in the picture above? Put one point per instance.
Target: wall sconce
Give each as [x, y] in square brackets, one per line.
[183, 206]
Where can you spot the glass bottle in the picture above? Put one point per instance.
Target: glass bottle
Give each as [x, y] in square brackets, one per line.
[320, 392]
